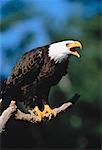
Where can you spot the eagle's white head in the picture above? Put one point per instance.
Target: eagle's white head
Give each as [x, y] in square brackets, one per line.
[60, 51]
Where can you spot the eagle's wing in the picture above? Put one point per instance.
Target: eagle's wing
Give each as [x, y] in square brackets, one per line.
[29, 63]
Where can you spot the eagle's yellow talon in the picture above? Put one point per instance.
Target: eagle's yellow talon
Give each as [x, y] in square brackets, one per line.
[48, 112]
[38, 113]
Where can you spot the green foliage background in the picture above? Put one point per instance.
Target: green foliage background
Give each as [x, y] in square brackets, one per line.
[80, 127]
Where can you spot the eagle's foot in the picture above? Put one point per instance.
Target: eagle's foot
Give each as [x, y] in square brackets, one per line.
[38, 113]
[48, 112]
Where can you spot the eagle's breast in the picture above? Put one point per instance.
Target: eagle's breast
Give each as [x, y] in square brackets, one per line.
[51, 72]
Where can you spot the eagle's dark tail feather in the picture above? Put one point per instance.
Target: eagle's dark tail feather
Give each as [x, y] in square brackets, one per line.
[75, 98]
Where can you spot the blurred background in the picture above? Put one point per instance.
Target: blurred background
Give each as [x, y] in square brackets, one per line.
[26, 24]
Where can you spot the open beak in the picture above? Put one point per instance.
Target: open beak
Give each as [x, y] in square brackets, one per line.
[72, 46]
[76, 54]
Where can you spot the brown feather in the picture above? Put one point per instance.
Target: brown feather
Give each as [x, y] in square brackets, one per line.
[33, 75]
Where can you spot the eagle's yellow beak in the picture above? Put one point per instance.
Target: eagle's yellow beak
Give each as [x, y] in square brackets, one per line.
[72, 46]
[76, 54]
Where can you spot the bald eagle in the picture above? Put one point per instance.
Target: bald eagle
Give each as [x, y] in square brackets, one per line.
[36, 72]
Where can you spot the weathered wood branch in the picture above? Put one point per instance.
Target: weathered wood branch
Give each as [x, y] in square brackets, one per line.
[31, 117]
[6, 114]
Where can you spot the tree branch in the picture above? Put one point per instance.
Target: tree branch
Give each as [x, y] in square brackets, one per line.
[31, 117]
[6, 114]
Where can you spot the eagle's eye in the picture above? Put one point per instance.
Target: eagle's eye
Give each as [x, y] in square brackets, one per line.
[67, 44]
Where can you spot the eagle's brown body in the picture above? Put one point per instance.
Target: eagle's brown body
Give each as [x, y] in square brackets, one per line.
[33, 76]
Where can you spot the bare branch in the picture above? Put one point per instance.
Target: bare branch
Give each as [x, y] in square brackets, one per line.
[28, 117]
[7, 114]
[33, 118]
[62, 107]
